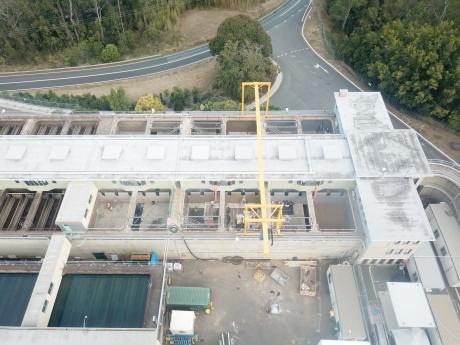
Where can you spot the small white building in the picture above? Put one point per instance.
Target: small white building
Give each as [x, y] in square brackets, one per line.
[446, 231]
[345, 302]
[77, 207]
[424, 268]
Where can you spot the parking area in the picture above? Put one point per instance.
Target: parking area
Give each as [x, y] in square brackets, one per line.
[241, 302]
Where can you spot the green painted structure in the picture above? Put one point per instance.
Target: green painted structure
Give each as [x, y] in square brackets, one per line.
[188, 298]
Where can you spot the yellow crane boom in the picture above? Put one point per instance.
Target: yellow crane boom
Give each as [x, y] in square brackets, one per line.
[263, 213]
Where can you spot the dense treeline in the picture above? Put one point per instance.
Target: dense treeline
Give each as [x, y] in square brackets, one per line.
[409, 49]
[71, 32]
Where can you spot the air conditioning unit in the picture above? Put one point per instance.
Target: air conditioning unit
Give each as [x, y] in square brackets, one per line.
[173, 225]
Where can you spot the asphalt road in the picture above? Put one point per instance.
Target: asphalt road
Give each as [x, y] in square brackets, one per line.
[124, 70]
[308, 82]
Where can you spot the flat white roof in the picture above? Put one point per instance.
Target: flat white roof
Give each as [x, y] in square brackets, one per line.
[410, 305]
[446, 318]
[449, 229]
[429, 272]
[395, 153]
[174, 157]
[410, 336]
[362, 111]
[75, 201]
[393, 210]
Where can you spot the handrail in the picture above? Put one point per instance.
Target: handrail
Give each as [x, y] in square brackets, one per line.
[445, 163]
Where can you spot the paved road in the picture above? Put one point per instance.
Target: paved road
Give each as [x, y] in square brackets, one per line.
[123, 70]
[308, 82]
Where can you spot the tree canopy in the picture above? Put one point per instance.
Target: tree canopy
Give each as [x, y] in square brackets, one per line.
[408, 49]
[241, 28]
[149, 103]
[240, 62]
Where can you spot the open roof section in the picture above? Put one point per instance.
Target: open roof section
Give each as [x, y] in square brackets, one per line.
[393, 210]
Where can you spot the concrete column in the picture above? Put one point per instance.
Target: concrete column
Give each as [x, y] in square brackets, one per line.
[28, 127]
[149, 125]
[66, 127]
[186, 126]
[131, 210]
[224, 126]
[311, 211]
[32, 211]
[222, 210]
[104, 126]
[177, 204]
[44, 294]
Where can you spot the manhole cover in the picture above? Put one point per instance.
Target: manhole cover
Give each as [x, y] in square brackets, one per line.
[455, 146]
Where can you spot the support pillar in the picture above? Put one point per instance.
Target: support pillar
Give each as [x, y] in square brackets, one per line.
[222, 210]
[46, 287]
[28, 127]
[311, 211]
[65, 127]
[131, 211]
[32, 211]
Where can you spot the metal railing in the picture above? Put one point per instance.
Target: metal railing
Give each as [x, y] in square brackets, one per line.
[445, 163]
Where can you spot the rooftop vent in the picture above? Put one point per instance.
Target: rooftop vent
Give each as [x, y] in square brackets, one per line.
[200, 152]
[287, 152]
[111, 152]
[15, 152]
[243, 153]
[156, 152]
[58, 152]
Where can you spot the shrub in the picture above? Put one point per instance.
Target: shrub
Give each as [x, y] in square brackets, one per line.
[110, 53]
[149, 103]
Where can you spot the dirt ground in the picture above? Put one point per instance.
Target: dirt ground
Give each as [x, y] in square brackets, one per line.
[200, 75]
[440, 136]
[197, 26]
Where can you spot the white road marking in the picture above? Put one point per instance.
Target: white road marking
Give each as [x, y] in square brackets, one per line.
[319, 66]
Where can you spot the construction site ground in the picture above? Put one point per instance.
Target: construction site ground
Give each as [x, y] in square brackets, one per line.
[240, 304]
[448, 141]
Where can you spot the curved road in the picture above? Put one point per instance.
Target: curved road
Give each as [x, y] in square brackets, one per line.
[308, 82]
[127, 69]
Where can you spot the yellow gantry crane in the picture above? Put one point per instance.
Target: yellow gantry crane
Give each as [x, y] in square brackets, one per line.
[268, 215]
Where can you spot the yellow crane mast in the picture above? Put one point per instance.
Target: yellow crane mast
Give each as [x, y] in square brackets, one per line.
[265, 214]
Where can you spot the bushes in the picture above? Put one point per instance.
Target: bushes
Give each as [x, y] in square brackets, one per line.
[241, 29]
[149, 103]
[119, 101]
[110, 53]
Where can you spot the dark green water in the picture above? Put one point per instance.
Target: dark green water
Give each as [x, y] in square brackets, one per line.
[116, 301]
[15, 291]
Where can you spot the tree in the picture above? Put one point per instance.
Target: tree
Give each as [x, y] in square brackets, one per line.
[118, 100]
[241, 29]
[149, 103]
[240, 62]
[110, 53]
[179, 99]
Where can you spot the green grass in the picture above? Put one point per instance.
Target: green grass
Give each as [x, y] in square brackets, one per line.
[15, 291]
[113, 301]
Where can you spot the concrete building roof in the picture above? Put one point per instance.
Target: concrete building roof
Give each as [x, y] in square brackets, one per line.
[362, 111]
[395, 153]
[449, 229]
[446, 318]
[427, 267]
[76, 336]
[343, 342]
[410, 305]
[173, 157]
[393, 210]
[347, 301]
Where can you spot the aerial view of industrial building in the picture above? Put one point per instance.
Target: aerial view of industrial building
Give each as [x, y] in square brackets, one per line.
[292, 227]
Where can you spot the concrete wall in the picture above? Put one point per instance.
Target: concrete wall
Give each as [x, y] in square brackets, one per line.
[250, 248]
[388, 252]
[44, 294]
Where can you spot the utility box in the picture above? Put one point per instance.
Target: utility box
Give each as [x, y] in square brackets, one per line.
[182, 322]
[188, 298]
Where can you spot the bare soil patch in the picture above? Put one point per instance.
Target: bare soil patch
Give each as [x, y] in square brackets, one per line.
[441, 136]
[200, 75]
